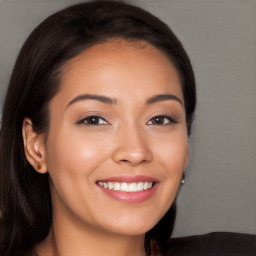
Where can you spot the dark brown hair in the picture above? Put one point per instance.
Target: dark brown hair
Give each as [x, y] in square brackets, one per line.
[25, 200]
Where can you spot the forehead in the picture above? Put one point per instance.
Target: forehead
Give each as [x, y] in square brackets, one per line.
[119, 64]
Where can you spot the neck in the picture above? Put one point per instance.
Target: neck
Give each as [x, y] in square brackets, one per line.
[70, 239]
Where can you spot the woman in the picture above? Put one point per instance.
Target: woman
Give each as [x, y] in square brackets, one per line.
[104, 95]
[94, 136]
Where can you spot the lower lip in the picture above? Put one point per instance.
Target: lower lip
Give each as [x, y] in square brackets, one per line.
[131, 197]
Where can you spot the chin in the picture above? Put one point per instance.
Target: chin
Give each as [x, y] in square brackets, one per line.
[132, 225]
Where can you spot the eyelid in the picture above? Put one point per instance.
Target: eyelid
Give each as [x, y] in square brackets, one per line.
[172, 119]
[90, 115]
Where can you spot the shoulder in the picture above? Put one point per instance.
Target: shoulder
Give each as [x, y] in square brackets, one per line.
[217, 243]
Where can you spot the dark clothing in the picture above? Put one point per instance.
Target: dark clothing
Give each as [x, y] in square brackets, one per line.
[217, 243]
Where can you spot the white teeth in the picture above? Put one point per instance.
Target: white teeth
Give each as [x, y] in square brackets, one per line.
[145, 186]
[116, 186]
[140, 186]
[132, 187]
[126, 187]
[110, 185]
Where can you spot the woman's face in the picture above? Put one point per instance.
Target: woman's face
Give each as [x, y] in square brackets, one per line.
[117, 143]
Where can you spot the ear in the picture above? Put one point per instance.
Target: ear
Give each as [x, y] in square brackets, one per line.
[34, 146]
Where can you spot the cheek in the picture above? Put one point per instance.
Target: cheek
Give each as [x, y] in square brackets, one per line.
[74, 156]
[173, 151]
[172, 154]
[73, 161]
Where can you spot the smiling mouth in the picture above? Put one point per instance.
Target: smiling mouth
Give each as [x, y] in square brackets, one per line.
[127, 187]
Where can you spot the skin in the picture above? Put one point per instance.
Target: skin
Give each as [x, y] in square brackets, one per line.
[126, 140]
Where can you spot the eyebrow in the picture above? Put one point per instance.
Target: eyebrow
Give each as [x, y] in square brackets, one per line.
[101, 98]
[113, 101]
[163, 97]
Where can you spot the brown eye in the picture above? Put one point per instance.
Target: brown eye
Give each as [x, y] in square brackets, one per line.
[162, 120]
[93, 120]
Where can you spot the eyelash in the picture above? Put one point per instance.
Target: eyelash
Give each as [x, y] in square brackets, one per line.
[91, 118]
[166, 120]
[95, 120]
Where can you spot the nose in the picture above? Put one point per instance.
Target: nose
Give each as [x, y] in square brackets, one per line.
[132, 148]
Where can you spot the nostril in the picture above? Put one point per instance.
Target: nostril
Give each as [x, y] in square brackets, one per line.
[133, 162]
[132, 155]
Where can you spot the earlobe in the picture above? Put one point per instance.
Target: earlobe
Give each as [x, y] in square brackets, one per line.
[34, 147]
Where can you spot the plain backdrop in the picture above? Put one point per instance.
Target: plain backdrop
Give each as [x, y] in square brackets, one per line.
[220, 37]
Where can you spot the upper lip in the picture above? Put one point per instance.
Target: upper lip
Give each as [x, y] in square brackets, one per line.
[130, 179]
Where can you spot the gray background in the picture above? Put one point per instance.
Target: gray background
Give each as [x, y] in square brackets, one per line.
[220, 37]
